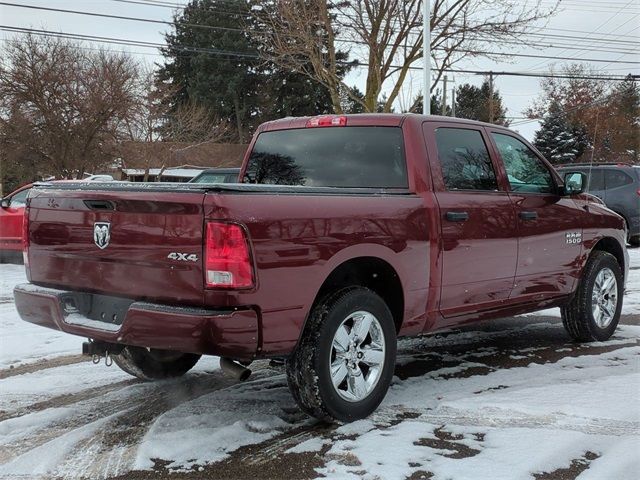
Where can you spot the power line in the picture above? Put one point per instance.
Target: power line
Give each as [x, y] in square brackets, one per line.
[144, 44]
[618, 10]
[121, 41]
[566, 112]
[110, 40]
[175, 7]
[244, 54]
[540, 74]
[612, 49]
[116, 17]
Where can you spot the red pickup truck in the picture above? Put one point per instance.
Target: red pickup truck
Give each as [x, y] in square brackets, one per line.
[345, 233]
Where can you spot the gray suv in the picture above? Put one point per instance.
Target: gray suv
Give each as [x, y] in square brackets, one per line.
[618, 185]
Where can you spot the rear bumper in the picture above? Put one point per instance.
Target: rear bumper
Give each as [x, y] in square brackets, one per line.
[230, 333]
[13, 244]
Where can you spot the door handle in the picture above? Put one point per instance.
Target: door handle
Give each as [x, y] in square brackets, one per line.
[99, 204]
[457, 216]
[528, 215]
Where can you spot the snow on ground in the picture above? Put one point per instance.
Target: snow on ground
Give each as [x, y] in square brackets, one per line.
[510, 400]
[22, 342]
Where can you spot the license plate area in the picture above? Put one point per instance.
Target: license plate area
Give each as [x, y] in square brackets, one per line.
[101, 308]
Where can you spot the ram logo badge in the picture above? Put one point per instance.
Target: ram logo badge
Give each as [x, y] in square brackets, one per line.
[101, 234]
[573, 237]
[183, 257]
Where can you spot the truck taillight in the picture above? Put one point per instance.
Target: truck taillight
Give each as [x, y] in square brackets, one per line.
[227, 259]
[327, 121]
[25, 237]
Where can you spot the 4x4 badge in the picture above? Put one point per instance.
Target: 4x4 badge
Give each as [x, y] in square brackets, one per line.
[101, 234]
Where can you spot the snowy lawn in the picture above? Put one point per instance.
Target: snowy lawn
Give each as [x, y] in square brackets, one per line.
[512, 399]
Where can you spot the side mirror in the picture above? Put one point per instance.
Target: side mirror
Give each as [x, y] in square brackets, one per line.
[4, 203]
[574, 183]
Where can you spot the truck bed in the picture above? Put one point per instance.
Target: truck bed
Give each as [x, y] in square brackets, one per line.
[297, 236]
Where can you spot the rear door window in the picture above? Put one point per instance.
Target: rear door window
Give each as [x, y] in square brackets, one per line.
[465, 160]
[616, 178]
[329, 157]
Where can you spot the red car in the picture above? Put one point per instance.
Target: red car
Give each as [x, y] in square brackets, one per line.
[348, 232]
[11, 215]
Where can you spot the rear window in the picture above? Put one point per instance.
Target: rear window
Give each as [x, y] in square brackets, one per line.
[329, 157]
[617, 178]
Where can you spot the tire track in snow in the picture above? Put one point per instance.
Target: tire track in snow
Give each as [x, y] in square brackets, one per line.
[129, 411]
[145, 400]
[505, 418]
[67, 399]
[114, 448]
[42, 365]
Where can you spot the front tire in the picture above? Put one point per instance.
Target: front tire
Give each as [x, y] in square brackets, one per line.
[594, 312]
[154, 364]
[344, 363]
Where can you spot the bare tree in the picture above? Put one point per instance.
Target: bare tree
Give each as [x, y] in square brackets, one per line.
[155, 120]
[385, 36]
[71, 102]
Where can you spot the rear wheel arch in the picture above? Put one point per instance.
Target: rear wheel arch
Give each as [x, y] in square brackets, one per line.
[373, 273]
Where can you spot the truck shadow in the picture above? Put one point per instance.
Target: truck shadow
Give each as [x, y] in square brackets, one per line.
[467, 352]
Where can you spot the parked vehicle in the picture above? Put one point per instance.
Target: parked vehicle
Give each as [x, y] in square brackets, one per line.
[348, 232]
[217, 175]
[618, 185]
[98, 178]
[11, 217]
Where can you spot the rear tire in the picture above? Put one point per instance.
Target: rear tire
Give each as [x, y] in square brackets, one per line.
[634, 241]
[593, 313]
[154, 364]
[350, 341]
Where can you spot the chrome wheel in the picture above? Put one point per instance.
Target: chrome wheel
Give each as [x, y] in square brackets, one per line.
[357, 356]
[604, 298]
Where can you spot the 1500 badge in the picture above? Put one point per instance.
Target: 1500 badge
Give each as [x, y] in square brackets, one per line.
[573, 237]
[183, 257]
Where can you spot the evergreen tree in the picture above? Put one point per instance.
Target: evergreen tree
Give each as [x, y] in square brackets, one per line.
[348, 104]
[473, 103]
[436, 104]
[604, 116]
[555, 139]
[225, 84]
[211, 59]
[624, 124]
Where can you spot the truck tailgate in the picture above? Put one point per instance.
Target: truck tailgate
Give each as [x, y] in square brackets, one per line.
[130, 243]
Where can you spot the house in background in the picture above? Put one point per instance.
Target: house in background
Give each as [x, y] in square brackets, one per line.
[173, 161]
[182, 173]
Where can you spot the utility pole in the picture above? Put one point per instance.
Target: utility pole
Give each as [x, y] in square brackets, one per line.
[444, 97]
[453, 100]
[490, 97]
[426, 56]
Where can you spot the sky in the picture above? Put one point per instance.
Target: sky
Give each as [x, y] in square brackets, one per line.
[605, 23]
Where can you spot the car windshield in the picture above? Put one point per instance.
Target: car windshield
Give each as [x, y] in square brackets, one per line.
[19, 199]
[210, 177]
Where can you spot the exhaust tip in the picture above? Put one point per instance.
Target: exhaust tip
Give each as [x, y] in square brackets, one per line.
[234, 369]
